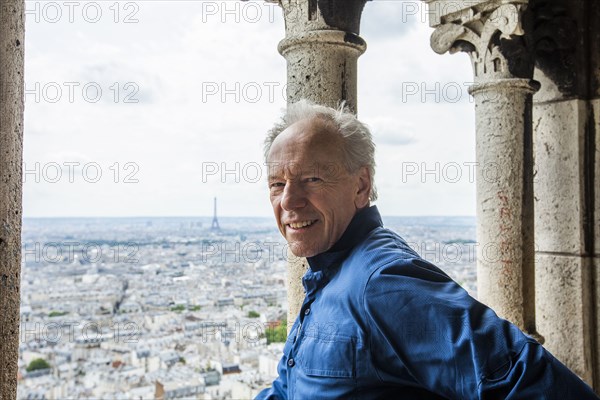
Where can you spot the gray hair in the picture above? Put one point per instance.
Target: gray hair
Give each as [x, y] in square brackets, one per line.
[359, 148]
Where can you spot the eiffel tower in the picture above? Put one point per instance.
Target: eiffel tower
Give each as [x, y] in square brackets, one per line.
[215, 221]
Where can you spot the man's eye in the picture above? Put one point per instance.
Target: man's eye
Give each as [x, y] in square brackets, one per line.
[313, 179]
[274, 185]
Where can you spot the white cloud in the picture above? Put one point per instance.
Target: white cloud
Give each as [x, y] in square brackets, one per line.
[389, 131]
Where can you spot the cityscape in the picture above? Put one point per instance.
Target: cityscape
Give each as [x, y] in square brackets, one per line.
[164, 308]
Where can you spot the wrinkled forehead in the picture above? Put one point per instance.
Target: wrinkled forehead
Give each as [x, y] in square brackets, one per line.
[297, 170]
[306, 147]
[307, 139]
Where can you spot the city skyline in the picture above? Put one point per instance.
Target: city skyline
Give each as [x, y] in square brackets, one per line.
[116, 308]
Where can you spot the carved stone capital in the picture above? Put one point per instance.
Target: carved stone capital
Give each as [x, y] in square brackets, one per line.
[493, 37]
[307, 15]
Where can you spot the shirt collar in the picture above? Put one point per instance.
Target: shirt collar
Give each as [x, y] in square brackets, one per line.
[363, 222]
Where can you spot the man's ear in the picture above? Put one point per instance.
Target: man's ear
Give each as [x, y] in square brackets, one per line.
[363, 190]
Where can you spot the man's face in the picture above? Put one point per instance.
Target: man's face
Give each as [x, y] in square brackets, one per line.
[313, 196]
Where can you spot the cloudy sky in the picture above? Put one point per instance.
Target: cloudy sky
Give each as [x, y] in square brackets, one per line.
[152, 108]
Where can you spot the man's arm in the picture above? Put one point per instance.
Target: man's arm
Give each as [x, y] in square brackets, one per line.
[424, 323]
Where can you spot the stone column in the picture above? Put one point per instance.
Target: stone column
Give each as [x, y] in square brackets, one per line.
[321, 47]
[492, 33]
[11, 155]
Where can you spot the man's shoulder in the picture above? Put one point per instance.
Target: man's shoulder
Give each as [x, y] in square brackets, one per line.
[381, 246]
[384, 249]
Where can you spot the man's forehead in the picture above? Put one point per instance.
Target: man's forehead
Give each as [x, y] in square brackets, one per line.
[291, 169]
[306, 147]
[307, 133]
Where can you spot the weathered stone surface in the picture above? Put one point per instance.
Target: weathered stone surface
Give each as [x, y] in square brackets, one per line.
[567, 181]
[322, 66]
[321, 48]
[493, 38]
[563, 290]
[561, 51]
[308, 15]
[11, 156]
[594, 128]
[297, 267]
[594, 38]
[463, 11]
[566, 38]
[504, 215]
[559, 183]
[596, 318]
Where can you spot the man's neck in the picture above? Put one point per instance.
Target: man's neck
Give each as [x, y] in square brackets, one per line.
[363, 222]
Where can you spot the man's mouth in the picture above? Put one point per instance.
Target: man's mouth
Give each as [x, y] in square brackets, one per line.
[301, 224]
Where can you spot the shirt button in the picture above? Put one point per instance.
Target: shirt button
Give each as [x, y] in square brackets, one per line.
[291, 362]
[307, 311]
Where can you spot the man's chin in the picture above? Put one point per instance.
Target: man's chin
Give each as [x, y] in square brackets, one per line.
[302, 251]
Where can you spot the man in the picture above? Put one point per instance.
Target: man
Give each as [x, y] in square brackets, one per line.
[378, 321]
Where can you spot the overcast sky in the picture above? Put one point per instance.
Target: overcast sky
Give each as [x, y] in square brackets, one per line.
[152, 108]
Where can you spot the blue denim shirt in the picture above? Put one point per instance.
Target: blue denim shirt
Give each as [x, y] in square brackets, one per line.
[379, 322]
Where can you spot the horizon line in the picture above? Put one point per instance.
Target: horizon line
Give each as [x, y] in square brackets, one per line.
[224, 216]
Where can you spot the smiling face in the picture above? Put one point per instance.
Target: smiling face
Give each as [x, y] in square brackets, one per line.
[313, 196]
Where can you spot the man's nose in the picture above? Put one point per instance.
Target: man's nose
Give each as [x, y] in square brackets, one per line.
[293, 197]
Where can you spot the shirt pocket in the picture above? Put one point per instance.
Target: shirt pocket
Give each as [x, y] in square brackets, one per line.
[333, 357]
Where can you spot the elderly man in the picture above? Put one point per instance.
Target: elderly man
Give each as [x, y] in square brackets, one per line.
[378, 321]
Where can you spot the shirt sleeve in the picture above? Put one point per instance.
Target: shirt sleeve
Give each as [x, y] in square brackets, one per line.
[424, 325]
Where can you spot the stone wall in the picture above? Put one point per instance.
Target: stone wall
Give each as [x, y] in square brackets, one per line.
[565, 119]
